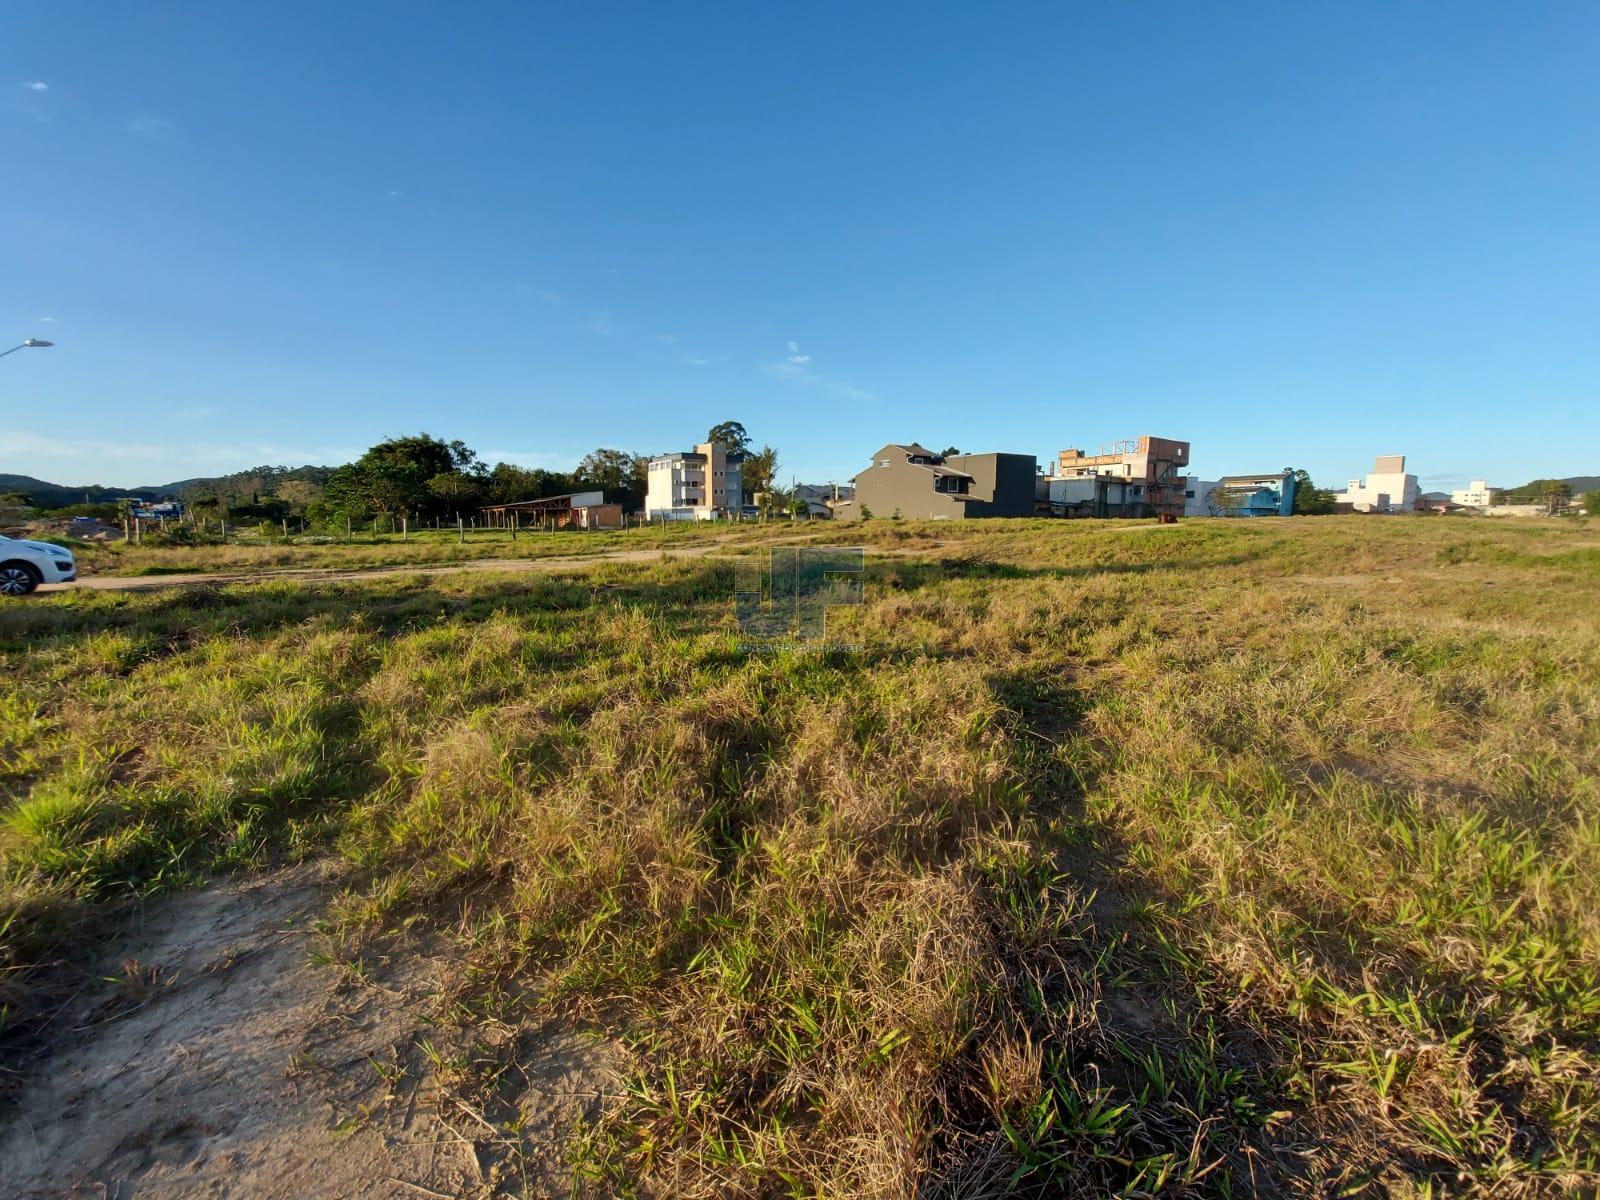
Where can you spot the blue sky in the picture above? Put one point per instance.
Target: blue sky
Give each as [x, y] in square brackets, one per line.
[1292, 234]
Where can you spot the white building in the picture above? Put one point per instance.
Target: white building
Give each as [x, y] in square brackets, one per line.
[1479, 495]
[1388, 489]
[704, 483]
[820, 497]
[1197, 496]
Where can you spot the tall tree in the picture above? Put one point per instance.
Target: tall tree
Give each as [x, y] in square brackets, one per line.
[1309, 499]
[759, 470]
[458, 492]
[394, 477]
[299, 493]
[732, 435]
[608, 469]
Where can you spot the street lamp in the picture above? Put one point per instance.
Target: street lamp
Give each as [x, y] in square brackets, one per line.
[29, 344]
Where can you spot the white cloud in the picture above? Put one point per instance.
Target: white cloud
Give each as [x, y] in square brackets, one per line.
[155, 128]
[145, 464]
[602, 324]
[796, 368]
[666, 339]
[47, 320]
[35, 86]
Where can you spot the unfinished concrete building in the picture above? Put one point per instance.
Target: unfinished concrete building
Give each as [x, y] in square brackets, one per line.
[1132, 478]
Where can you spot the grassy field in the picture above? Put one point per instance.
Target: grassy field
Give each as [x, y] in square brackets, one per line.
[1224, 858]
[254, 554]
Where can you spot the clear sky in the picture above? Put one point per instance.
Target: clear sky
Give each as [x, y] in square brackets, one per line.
[1293, 234]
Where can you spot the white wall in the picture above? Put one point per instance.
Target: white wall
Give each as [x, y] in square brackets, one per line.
[1197, 504]
[1381, 492]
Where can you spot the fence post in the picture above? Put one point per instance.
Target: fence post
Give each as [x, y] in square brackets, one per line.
[405, 529]
[461, 532]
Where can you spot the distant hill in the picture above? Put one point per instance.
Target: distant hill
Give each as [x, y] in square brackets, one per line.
[241, 486]
[1532, 492]
[42, 494]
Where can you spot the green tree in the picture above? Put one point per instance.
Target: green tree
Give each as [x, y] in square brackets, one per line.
[1591, 502]
[508, 483]
[458, 493]
[1309, 499]
[759, 470]
[207, 506]
[949, 450]
[799, 508]
[732, 435]
[611, 470]
[394, 477]
[1555, 493]
[299, 493]
[1223, 503]
[620, 475]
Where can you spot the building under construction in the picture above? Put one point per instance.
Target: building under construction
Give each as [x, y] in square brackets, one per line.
[1132, 478]
[575, 510]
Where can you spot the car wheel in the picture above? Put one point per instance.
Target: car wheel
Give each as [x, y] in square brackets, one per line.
[18, 579]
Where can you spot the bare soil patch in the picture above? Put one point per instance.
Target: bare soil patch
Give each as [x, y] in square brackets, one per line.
[229, 1060]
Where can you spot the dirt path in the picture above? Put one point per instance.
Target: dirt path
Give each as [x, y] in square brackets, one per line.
[228, 1063]
[136, 583]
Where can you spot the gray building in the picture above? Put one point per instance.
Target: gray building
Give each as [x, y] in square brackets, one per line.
[909, 480]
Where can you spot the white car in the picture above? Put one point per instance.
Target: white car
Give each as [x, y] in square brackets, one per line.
[25, 565]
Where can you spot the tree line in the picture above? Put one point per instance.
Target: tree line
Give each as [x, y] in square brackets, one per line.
[423, 477]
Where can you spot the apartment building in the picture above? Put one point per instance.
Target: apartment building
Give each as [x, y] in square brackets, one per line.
[1388, 489]
[1479, 495]
[696, 485]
